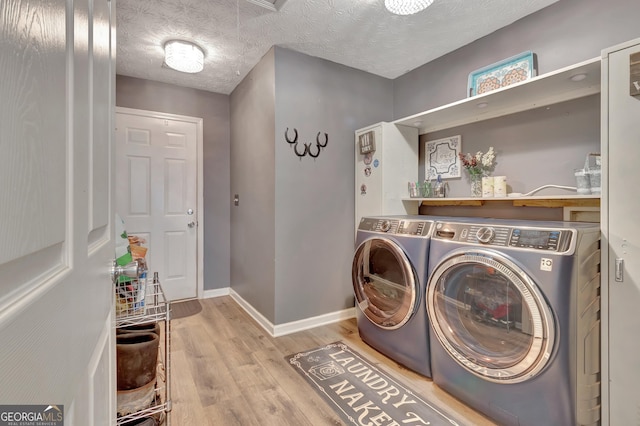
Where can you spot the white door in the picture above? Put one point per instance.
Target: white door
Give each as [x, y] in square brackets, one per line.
[621, 149]
[157, 193]
[56, 214]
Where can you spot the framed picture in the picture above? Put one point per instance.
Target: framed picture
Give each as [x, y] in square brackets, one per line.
[501, 74]
[441, 158]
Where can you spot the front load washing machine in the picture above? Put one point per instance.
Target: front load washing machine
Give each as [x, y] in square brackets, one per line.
[389, 276]
[514, 308]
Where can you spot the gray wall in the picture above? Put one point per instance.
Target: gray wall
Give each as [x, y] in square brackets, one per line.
[315, 196]
[292, 235]
[562, 34]
[533, 148]
[253, 234]
[213, 108]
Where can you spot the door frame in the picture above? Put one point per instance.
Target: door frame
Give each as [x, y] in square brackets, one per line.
[200, 181]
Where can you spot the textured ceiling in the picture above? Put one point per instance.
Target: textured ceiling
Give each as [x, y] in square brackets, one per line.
[357, 33]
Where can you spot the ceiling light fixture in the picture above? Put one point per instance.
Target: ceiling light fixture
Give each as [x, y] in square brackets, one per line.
[183, 56]
[406, 7]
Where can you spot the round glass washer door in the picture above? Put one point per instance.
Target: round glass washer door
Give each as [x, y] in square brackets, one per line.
[384, 283]
[489, 316]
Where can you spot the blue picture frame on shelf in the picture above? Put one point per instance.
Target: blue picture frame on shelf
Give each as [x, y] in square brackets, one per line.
[512, 70]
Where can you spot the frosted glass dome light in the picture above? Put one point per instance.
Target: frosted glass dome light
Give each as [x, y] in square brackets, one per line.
[406, 7]
[183, 56]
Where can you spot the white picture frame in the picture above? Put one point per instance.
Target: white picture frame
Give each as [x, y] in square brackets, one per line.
[442, 158]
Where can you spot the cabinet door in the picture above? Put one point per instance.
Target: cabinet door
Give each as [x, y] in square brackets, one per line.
[621, 131]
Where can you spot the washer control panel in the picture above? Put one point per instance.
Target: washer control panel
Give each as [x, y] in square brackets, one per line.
[506, 236]
[535, 238]
[419, 228]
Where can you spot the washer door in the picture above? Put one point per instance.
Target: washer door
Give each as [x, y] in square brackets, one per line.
[384, 283]
[490, 316]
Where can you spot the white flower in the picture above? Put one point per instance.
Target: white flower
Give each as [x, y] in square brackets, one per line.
[487, 159]
[479, 163]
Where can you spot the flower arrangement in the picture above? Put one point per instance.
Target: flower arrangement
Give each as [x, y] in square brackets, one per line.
[479, 164]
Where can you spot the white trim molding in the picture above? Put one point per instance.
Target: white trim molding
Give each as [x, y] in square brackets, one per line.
[216, 292]
[294, 326]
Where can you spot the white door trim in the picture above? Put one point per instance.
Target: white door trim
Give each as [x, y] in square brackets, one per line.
[200, 177]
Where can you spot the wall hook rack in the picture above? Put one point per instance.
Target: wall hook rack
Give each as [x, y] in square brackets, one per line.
[307, 146]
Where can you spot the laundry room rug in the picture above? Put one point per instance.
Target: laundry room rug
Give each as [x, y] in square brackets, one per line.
[361, 393]
[185, 308]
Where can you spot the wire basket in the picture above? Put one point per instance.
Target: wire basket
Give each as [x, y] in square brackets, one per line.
[142, 301]
[130, 297]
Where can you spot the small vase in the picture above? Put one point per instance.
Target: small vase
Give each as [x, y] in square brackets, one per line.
[476, 185]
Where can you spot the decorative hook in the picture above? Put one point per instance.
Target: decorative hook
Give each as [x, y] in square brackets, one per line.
[295, 138]
[326, 140]
[307, 146]
[306, 149]
[311, 154]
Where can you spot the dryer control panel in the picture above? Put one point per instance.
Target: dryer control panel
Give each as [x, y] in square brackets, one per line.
[409, 227]
[505, 236]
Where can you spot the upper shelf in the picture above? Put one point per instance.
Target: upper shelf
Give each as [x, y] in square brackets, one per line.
[547, 89]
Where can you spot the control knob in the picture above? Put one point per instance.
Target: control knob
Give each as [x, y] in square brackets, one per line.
[385, 225]
[485, 234]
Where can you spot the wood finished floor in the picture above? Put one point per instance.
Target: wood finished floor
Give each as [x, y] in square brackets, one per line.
[226, 370]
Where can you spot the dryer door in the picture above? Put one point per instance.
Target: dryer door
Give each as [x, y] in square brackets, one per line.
[384, 283]
[490, 316]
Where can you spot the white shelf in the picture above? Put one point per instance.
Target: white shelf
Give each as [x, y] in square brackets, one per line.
[543, 90]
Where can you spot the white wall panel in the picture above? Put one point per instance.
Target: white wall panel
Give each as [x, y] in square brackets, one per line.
[139, 186]
[101, 120]
[33, 144]
[175, 248]
[138, 136]
[174, 186]
[176, 140]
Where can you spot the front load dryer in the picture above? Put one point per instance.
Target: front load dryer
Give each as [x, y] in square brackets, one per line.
[514, 308]
[389, 276]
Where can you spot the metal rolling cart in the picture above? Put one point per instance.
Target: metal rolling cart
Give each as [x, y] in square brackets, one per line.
[148, 305]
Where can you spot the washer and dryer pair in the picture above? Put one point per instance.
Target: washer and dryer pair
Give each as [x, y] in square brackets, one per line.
[506, 313]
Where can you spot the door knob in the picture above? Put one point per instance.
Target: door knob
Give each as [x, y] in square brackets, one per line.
[131, 270]
[191, 224]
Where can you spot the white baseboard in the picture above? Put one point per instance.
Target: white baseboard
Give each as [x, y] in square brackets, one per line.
[216, 292]
[307, 323]
[294, 326]
[257, 316]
